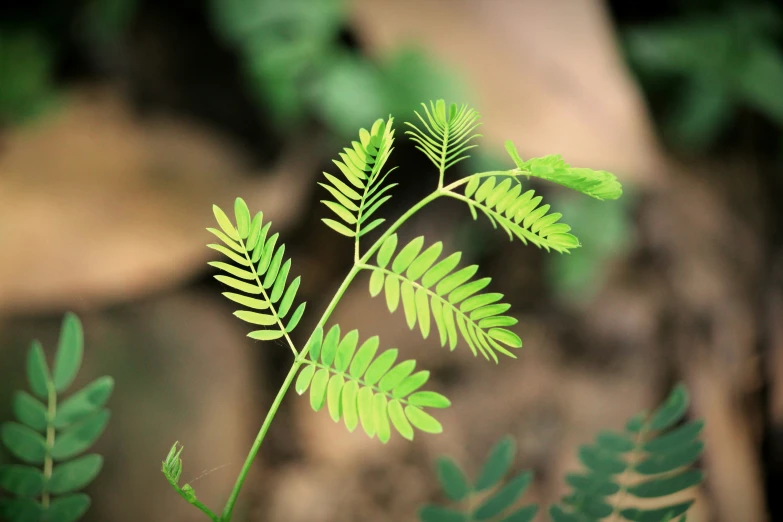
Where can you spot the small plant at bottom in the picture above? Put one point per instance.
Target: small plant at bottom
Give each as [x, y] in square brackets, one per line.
[493, 507]
[49, 435]
[652, 459]
[356, 382]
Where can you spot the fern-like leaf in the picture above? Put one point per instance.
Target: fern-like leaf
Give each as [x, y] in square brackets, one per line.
[432, 291]
[259, 273]
[361, 191]
[520, 214]
[651, 459]
[51, 434]
[598, 184]
[445, 136]
[496, 506]
[363, 387]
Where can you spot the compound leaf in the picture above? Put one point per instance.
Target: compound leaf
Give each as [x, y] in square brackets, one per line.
[455, 304]
[260, 271]
[445, 134]
[661, 453]
[496, 506]
[363, 387]
[594, 183]
[361, 165]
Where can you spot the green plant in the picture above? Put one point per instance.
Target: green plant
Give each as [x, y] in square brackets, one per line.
[472, 498]
[606, 230]
[50, 434]
[26, 84]
[357, 383]
[296, 65]
[719, 61]
[651, 459]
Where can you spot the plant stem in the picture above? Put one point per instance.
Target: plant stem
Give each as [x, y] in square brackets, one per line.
[355, 269]
[50, 434]
[212, 516]
[227, 510]
[462, 181]
[623, 479]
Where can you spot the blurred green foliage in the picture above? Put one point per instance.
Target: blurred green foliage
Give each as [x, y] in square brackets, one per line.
[28, 56]
[298, 65]
[604, 231]
[26, 87]
[296, 60]
[104, 22]
[721, 61]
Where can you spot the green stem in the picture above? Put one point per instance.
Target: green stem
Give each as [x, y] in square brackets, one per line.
[355, 269]
[623, 480]
[50, 434]
[232, 499]
[194, 502]
[397, 224]
[206, 510]
[470, 504]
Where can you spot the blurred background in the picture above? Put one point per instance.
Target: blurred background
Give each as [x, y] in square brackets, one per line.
[122, 121]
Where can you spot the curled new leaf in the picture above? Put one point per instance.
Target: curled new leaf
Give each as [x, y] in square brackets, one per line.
[360, 386]
[172, 470]
[598, 184]
[522, 214]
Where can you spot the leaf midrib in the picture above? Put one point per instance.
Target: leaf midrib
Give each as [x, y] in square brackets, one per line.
[361, 381]
[443, 300]
[272, 306]
[532, 237]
